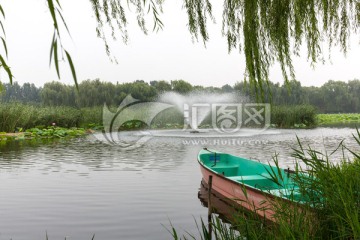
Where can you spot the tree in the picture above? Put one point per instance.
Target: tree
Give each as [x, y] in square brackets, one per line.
[227, 88]
[57, 94]
[181, 86]
[161, 86]
[265, 31]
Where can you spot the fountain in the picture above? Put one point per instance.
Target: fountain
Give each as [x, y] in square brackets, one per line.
[227, 115]
[196, 105]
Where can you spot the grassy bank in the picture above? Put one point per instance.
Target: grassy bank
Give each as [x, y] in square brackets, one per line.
[331, 209]
[15, 117]
[338, 120]
[46, 132]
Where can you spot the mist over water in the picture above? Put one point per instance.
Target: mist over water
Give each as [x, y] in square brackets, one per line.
[202, 100]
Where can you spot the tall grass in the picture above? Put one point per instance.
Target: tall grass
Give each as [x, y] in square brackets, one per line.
[15, 116]
[330, 207]
[297, 116]
[18, 115]
[91, 116]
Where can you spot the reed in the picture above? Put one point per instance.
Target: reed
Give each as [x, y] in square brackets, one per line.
[91, 117]
[297, 116]
[13, 115]
[17, 116]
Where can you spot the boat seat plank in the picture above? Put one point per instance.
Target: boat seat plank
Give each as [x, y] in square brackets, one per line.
[248, 177]
[219, 165]
[283, 192]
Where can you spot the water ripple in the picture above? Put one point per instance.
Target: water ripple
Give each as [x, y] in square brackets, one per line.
[80, 187]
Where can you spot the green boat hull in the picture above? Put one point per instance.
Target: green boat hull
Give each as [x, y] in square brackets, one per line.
[250, 183]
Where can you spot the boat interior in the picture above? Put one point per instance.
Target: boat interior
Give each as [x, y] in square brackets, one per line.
[251, 173]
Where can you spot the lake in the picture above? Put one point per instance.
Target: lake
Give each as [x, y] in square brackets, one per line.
[80, 187]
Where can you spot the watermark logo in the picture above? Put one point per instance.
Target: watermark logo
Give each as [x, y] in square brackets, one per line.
[228, 117]
[223, 119]
[224, 142]
[257, 115]
[130, 109]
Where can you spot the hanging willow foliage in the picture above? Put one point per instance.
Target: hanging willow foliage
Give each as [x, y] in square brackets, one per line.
[111, 13]
[266, 31]
[3, 63]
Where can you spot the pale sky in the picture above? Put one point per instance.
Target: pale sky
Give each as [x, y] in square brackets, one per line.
[167, 55]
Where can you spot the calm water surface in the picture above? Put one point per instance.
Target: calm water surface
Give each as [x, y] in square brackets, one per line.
[82, 187]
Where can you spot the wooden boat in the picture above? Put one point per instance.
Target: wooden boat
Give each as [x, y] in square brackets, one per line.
[251, 184]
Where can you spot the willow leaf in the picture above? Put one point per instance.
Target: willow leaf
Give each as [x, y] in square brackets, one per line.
[56, 59]
[72, 69]
[58, 3]
[5, 47]
[62, 18]
[7, 69]
[2, 11]
[52, 48]
[53, 15]
[2, 27]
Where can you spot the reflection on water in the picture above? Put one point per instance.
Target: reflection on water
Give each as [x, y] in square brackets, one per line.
[224, 208]
[79, 187]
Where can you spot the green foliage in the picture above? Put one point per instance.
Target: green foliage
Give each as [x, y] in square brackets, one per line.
[333, 190]
[161, 86]
[113, 15]
[340, 97]
[62, 104]
[57, 94]
[332, 97]
[299, 116]
[14, 116]
[133, 125]
[91, 117]
[55, 132]
[350, 119]
[181, 86]
[56, 44]
[266, 31]
[27, 93]
[3, 63]
[267, 28]
[62, 116]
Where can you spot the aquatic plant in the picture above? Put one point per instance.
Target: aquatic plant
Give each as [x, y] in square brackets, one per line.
[339, 119]
[58, 132]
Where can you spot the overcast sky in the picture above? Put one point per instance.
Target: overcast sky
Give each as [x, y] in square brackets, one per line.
[167, 55]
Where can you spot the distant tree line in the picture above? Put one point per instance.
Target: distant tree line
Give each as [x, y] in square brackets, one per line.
[332, 97]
